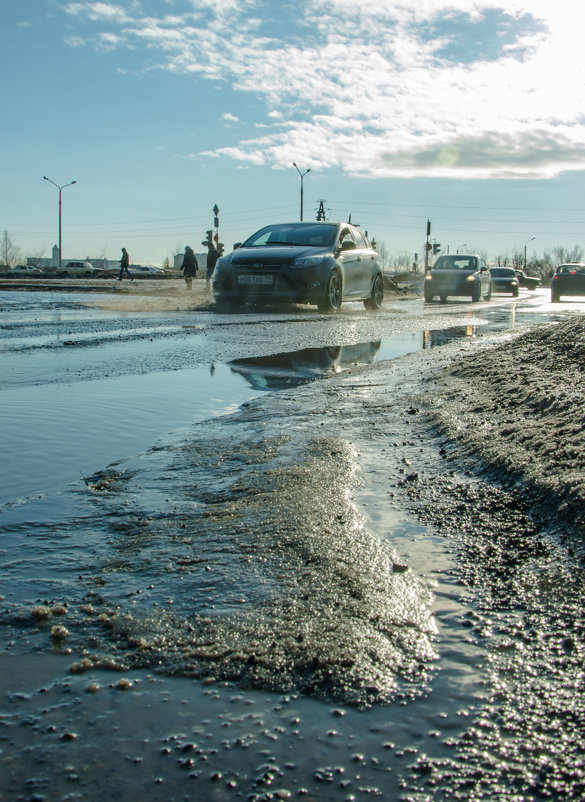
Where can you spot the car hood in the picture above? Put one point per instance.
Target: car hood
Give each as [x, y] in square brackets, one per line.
[274, 254]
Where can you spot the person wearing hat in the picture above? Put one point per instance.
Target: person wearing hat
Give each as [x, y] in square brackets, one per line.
[189, 266]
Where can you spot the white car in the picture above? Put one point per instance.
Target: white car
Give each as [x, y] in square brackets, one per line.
[25, 270]
[146, 272]
[79, 269]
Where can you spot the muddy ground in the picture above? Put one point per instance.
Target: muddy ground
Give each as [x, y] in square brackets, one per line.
[482, 445]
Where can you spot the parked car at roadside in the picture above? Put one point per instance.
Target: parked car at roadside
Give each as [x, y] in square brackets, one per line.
[25, 270]
[568, 279]
[504, 280]
[79, 269]
[322, 263]
[529, 282]
[146, 272]
[458, 274]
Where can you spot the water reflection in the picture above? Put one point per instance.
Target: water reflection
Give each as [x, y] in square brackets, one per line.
[279, 371]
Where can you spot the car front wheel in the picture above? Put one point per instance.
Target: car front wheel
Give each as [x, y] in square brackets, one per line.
[377, 296]
[332, 300]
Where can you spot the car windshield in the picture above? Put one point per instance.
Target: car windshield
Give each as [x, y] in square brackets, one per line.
[502, 271]
[454, 262]
[318, 235]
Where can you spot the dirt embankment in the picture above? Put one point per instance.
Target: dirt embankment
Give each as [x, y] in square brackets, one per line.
[518, 407]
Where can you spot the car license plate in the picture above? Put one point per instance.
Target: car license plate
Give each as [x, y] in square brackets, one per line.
[254, 279]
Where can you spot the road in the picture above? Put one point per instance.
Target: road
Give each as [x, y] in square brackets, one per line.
[251, 567]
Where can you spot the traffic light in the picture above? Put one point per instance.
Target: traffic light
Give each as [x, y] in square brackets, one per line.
[209, 236]
[436, 247]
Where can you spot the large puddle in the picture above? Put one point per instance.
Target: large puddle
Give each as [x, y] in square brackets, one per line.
[147, 529]
[72, 401]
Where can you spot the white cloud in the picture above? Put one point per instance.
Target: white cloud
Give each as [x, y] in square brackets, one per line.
[386, 87]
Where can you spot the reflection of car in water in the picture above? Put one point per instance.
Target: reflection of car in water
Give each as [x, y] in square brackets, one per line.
[278, 371]
[437, 337]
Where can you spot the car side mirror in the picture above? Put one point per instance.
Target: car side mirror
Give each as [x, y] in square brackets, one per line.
[236, 245]
[348, 245]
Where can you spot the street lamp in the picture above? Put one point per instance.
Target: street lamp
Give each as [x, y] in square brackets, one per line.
[59, 188]
[302, 175]
[525, 244]
[463, 245]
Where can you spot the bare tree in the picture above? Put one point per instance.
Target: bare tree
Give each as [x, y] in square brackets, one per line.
[382, 250]
[563, 255]
[10, 253]
[401, 261]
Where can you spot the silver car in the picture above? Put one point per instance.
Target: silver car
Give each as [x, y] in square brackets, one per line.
[318, 263]
[458, 274]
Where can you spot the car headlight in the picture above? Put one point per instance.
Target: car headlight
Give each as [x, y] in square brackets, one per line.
[428, 277]
[222, 263]
[470, 278]
[514, 283]
[308, 261]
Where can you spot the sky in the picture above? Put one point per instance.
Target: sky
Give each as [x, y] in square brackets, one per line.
[467, 113]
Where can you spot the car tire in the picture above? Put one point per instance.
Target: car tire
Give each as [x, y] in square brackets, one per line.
[476, 293]
[377, 296]
[428, 297]
[333, 293]
[554, 298]
[443, 299]
[515, 293]
[488, 297]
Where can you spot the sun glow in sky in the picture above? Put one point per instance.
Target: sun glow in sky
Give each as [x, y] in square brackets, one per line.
[470, 113]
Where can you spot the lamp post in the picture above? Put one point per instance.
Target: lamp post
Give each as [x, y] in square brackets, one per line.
[302, 175]
[463, 245]
[59, 188]
[525, 244]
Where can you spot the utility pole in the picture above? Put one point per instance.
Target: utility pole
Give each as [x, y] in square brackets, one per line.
[428, 247]
[321, 211]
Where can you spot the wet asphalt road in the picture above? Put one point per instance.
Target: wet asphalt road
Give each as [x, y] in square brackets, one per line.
[107, 552]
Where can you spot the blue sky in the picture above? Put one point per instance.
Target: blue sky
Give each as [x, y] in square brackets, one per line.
[470, 113]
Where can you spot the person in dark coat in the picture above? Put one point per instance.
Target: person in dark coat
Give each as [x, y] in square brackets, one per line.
[124, 262]
[212, 256]
[189, 266]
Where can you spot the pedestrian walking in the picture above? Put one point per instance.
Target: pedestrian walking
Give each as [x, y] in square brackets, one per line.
[212, 256]
[124, 262]
[189, 266]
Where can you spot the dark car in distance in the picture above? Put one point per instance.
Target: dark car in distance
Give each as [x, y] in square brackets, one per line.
[568, 279]
[504, 279]
[322, 263]
[458, 274]
[529, 282]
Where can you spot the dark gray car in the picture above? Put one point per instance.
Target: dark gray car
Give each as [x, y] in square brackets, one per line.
[458, 274]
[568, 279]
[314, 263]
